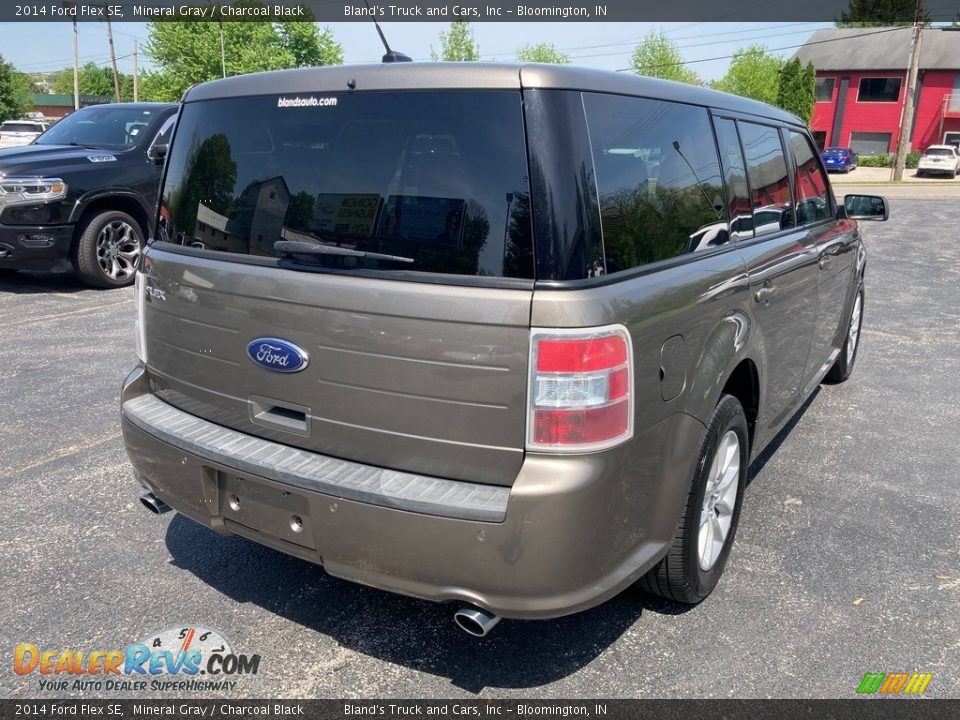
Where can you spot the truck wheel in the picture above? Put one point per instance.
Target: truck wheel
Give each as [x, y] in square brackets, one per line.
[843, 367]
[702, 542]
[108, 249]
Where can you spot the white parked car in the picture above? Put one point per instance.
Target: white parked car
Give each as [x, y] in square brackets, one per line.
[941, 159]
[20, 132]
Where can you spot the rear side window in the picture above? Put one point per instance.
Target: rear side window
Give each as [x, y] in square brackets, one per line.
[769, 180]
[813, 197]
[21, 127]
[658, 179]
[438, 178]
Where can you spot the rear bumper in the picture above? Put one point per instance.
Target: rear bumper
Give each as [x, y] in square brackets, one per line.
[941, 169]
[36, 247]
[573, 531]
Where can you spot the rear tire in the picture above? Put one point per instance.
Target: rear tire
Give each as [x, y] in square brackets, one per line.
[108, 249]
[843, 367]
[701, 544]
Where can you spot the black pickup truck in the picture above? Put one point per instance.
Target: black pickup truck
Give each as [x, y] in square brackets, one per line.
[83, 194]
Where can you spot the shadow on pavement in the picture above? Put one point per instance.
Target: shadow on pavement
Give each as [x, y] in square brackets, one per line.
[768, 452]
[401, 630]
[28, 283]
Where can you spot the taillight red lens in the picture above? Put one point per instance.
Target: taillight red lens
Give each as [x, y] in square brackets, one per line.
[580, 389]
[580, 354]
[580, 427]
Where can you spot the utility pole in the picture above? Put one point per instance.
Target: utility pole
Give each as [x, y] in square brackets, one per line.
[136, 75]
[76, 56]
[223, 54]
[113, 61]
[909, 100]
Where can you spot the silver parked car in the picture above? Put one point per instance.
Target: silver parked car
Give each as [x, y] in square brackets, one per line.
[939, 160]
[505, 336]
[14, 133]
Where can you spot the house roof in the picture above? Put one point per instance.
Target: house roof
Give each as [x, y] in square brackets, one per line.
[880, 49]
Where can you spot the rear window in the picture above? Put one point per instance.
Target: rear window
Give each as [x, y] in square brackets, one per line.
[939, 151]
[21, 127]
[437, 178]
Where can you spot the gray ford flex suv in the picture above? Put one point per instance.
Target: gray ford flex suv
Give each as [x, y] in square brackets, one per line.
[501, 335]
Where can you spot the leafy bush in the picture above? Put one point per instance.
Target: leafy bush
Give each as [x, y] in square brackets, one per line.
[875, 161]
[886, 160]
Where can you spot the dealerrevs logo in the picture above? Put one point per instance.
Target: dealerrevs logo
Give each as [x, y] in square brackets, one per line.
[183, 657]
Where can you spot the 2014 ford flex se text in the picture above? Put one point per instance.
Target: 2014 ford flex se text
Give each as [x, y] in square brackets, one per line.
[502, 335]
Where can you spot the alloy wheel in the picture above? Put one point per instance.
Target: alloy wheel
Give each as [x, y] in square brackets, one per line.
[719, 500]
[118, 250]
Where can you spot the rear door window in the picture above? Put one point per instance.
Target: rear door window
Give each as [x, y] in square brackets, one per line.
[438, 178]
[813, 195]
[769, 179]
[658, 179]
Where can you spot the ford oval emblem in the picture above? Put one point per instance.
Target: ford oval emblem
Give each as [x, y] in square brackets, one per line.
[277, 355]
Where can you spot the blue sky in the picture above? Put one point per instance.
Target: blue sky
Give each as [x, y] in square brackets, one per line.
[46, 47]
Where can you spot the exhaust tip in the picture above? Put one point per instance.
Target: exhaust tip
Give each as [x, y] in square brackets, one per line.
[154, 504]
[475, 621]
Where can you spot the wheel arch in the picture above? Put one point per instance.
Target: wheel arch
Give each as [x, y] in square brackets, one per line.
[725, 366]
[121, 201]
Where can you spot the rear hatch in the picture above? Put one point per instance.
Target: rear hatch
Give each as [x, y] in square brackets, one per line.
[386, 236]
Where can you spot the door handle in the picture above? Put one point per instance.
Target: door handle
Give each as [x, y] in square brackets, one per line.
[764, 294]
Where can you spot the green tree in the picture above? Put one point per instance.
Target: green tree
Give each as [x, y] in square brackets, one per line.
[753, 73]
[883, 12]
[796, 89]
[14, 91]
[93, 79]
[657, 56]
[542, 53]
[189, 52]
[457, 44]
[309, 45]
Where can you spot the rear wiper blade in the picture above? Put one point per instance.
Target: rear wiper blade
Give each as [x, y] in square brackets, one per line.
[293, 247]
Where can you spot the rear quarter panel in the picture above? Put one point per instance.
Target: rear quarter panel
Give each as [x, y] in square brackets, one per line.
[704, 302]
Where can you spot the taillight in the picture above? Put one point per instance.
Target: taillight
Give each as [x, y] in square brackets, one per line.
[140, 286]
[581, 389]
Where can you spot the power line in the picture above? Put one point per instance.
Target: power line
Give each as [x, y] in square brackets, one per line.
[787, 47]
[39, 67]
[693, 45]
[634, 41]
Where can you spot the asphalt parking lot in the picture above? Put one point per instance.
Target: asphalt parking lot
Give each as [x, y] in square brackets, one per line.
[847, 559]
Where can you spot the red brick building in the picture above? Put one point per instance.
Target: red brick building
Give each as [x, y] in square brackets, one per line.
[861, 87]
[59, 106]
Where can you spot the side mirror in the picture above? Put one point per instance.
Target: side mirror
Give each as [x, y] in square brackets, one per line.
[865, 207]
[158, 152]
